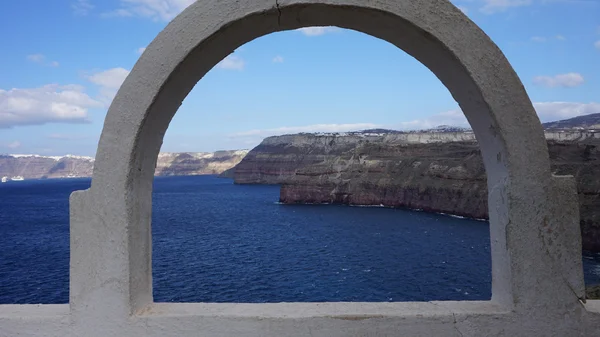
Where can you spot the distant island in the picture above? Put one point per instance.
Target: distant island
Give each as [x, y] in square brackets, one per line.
[25, 166]
[437, 170]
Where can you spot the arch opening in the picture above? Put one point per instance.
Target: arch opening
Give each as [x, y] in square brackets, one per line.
[434, 32]
[265, 259]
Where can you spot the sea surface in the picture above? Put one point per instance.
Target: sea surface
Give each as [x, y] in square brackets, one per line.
[214, 241]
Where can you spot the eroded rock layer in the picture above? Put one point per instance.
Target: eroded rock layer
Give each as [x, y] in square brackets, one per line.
[197, 163]
[168, 164]
[438, 172]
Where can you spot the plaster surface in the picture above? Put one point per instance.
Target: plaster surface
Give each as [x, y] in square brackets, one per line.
[536, 260]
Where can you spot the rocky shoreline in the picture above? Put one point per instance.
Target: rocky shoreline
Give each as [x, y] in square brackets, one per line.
[434, 172]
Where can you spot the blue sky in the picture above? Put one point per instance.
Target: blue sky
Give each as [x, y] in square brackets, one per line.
[63, 61]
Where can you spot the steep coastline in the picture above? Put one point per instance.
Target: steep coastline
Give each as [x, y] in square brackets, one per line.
[168, 164]
[197, 163]
[433, 171]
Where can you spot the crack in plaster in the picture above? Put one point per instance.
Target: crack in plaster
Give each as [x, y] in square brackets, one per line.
[279, 12]
[553, 263]
[455, 325]
[454, 320]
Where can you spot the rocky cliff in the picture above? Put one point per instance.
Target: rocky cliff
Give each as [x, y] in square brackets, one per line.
[168, 164]
[591, 121]
[197, 163]
[432, 171]
[37, 167]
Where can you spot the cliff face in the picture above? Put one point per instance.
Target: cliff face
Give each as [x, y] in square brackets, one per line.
[591, 121]
[440, 172]
[582, 160]
[168, 164]
[448, 178]
[197, 163]
[278, 158]
[36, 167]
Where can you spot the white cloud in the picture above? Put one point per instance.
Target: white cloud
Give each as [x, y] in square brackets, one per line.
[544, 39]
[546, 111]
[306, 128]
[140, 50]
[232, 62]
[563, 80]
[41, 59]
[37, 58]
[315, 31]
[553, 111]
[597, 44]
[157, 10]
[278, 59]
[82, 7]
[463, 9]
[123, 13]
[60, 136]
[496, 6]
[13, 145]
[51, 103]
[111, 78]
[452, 117]
[109, 82]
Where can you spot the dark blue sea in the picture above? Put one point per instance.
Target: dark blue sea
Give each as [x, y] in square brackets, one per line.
[214, 241]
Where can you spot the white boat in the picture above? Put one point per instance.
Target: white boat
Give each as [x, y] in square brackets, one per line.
[4, 179]
[17, 178]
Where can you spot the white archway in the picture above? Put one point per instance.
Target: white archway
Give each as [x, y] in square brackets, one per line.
[536, 262]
